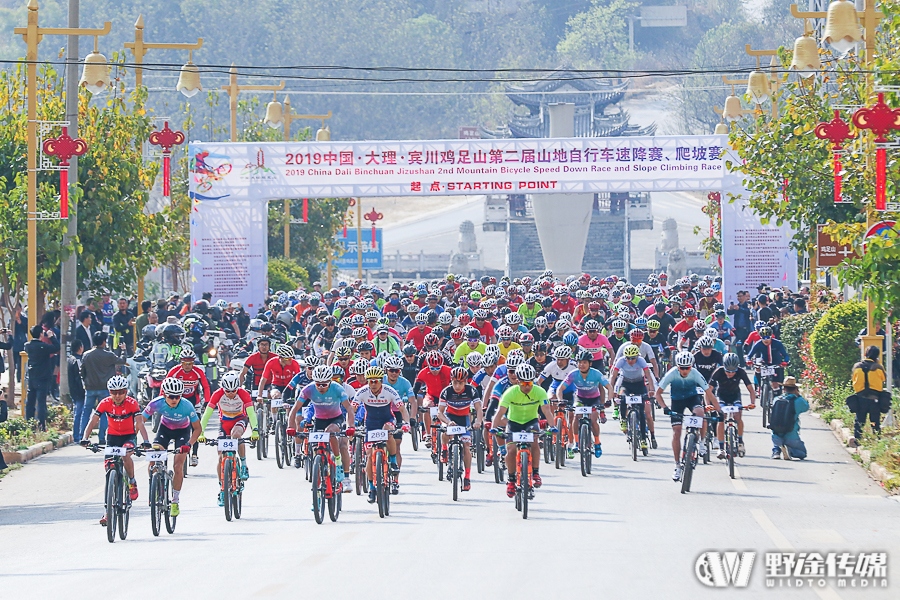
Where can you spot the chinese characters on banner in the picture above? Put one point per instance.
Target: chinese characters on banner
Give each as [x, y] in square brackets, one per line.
[371, 253]
[452, 167]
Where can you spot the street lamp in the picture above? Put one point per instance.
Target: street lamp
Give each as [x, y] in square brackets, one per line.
[233, 89]
[189, 78]
[32, 35]
[95, 75]
[842, 30]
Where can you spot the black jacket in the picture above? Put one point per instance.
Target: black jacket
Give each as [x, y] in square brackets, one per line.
[82, 334]
[76, 385]
[40, 361]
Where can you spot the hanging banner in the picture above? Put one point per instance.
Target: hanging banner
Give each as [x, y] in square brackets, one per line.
[229, 241]
[371, 253]
[276, 170]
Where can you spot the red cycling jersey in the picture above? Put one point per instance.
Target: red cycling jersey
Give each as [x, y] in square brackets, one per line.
[279, 375]
[257, 362]
[417, 336]
[194, 383]
[434, 382]
[120, 416]
[231, 408]
[568, 306]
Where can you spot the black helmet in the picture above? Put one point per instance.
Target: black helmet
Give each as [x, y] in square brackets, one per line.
[585, 355]
[409, 350]
[173, 334]
[148, 332]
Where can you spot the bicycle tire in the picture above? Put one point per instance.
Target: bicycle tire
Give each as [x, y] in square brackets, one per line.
[279, 449]
[765, 403]
[633, 434]
[708, 444]
[334, 503]
[546, 445]
[167, 496]
[379, 483]
[730, 448]
[584, 439]
[124, 509]
[479, 450]
[318, 490]
[525, 462]
[264, 435]
[454, 462]
[498, 468]
[440, 465]
[359, 467]
[560, 451]
[237, 497]
[156, 502]
[111, 482]
[227, 468]
[388, 478]
[414, 435]
[688, 466]
[259, 444]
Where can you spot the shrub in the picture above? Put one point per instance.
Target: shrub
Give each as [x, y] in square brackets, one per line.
[833, 339]
[286, 274]
[793, 329]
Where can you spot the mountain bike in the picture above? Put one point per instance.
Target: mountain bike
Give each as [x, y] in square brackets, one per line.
[498, 457]
[455, 449]
[161, 478]
[325, 488]
[709, 440]
[524, 485]
[116, 497]
[284, 450]
[766, 392]
[262, 419]
[731, 435]
[585, 448]
[689, 452]
[435, 440]
[232, 484]
[636, 425]
[358, 458]
[562, 436]
[414, 431]
[383, 478]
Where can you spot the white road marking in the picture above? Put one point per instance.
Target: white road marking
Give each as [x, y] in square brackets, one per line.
[89, 495]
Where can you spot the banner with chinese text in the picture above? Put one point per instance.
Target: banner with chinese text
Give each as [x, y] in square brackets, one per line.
[371, 253]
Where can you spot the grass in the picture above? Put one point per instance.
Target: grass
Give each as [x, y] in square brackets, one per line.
[10, 469]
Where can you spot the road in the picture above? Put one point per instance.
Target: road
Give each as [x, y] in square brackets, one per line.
[438, 231]
[626, 529]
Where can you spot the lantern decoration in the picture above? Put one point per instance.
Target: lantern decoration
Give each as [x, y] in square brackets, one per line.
[837, 131]
[165, 138]
[306, 210]
[880, 118]
[373, 216]
[64, 147]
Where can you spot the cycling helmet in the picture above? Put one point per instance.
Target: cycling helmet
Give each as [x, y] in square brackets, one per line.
[374, 373]
[516, 356]
[372, 315]
[562, 353]
[337, 372]
[530, 298]
[458, 333]
[148, 332]
[431, 340]
[541, 347]
[561, 325]
[172, 386]
[759, 325]
[230, 381]
[636, 334]
[505, 333]
[344, 352]
[765, 332]
[570, 339]
[526, 338]
[684, 359]
[514, 318]
[392, 361]
[285, 351]
[640, 322]
[117, 382]
[187, 353]
[592, 325]
[173, 334]
[481, 314]
[540, 322]
[731, 362]
[711, 332]
[489, 358]
[706, 342]
[365, 346]
[445, 318]
[472, 333]
[434, 360]
[285, 318]
[421, 318]
[619, 325]
[459, 374]
[525, 372]
[631, 351]
[690, 312]
[653, 325]
[699, 326]
[584, 355]
[410, 350]
[312, 361]
[359, 366]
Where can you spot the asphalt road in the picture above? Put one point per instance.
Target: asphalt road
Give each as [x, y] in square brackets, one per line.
[623, 532]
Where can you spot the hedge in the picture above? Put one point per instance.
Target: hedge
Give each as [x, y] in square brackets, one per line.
[793, 329]
[833, 339]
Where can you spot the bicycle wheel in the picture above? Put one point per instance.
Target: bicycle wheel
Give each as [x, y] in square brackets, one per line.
[525, 469]
[454, 463]
[264, 434]
[560, 451]
[227, 468]
[237, 495]
[260, 424]
[167, 501]
[124, 509]
[479, 450]
[414, 435]
[379, 482]
[318, 489]
[765, 403]
[334, 503]
[388, 478]
[279, 447]
[440, 463]
[687, 475]
[498, 468]
[584, 448]
[633, 434]
[157, 501]
[359, 466]
[730, 449]
[112, 477]
[707, 442]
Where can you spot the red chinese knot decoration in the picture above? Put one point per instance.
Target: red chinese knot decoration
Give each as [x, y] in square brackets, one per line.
[836, 131]
[880, 118]
[165, 138]
[64, 147]
[373, 216]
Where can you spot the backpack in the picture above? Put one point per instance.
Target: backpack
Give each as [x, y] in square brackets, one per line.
[783, 415]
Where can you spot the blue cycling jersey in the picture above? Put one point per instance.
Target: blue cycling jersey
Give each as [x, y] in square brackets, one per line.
[173, 418]
[500, 387]
[328, 404]
[683, 387]
[585, 386]
[403, 387]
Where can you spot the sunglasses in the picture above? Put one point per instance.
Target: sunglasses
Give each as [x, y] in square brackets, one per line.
[118, 392]
[344, 358]
[173, 397]
[393, 370]
[323, 384]
[684, 368]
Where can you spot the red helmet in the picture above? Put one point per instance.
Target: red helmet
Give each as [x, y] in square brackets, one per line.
[594, 306]
[459, 374]
[434, 360]
[432, 340]
[464, 319]
[526, 338]
[457, 334]
[637, 334]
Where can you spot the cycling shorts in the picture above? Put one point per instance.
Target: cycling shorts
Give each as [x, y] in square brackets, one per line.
[636, 387]
[532, 425]
[730, 400]
[180, 436]
[595, 401]
[567, 397]
[462, 420]
[322, 424]
[429, 401]
[678, 406]
[122, 441]
[226, 427]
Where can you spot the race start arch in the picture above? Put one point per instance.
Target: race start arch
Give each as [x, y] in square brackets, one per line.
[231, 184]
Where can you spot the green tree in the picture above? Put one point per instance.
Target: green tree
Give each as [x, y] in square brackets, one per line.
[286, 274]
[598, 37]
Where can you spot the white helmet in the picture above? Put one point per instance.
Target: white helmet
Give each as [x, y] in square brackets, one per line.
[230, 381]
[473, 359]
[117, 382]
[562, 353]
[172, 386]
[525, 372]
[684, 359]
[321, 374]
[445, 318]
[392, 362]
[514, 359]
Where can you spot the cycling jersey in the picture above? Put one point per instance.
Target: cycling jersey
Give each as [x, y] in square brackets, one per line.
[617, 342]
[729, 388]
[595, 347]
[257, 362]
[279, 375]
[486, 330]
[505, 350]
[558, 374]
[174, 418]
[459, 403]
[434, 382]
[683, 387]
[522, 407]
[231, 409]
[565, 307]
[541, 336]
[528, 315]
[299, 381]
[120, 416]
[403, 387]
[633, 372]
[194, 382]
[379, 408]
[773, 354]
[389, 345]
[417, 335]
[464, 350]
[707, 364]
[326, 405]
[411, 369]
[645, 349]
[585, 386]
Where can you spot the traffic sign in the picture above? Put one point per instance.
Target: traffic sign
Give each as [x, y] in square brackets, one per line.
[829, 253]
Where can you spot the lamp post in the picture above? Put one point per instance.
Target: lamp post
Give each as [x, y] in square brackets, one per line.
[139, 49]
[276, 115]
[95, 77]
[233, 89]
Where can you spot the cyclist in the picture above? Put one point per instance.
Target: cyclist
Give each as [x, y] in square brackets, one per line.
[706, 358]
[124, 417]
[727, 382]
[457, 401]
[416, 335]
[541, 330]
[506, 344]
[520, 408]
[279, 371]
[380, 403]
[529, 309]
[434, 378]
[384, 342]
[196, 387]
[257, 361]
[557, 371]
[393, 366]
[594, 342]
[234, 417]
[646, 351]
[687, 386]
[589, 386]
[637, 380]
[331, 408]
[772, 353]
[618, 338]
[179, 423]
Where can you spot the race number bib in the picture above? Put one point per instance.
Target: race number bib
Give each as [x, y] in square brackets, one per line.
[277, 403]
[434, 411]
[768, 371]
[113, 451]
[582, 410]
[727, 408]
[693, 421]
[377, 435]
[228, 445]
[319, 436]
[456, 430]
[634, 399]
[523, 436]
[157, 455]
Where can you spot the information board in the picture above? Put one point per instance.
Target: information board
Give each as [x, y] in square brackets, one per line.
[371, 253]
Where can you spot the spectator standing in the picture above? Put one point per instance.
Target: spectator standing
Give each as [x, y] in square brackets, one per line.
[741, 317]
[143, 319]
[868, 379]
[123, 323]
[5, 344]
[83, 331]
[76, 385]
[41, 368]
[98, 365]
[20, 338]
[107, 310]
[785, 422]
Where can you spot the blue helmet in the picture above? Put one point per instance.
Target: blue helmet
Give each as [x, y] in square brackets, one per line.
[570, 339]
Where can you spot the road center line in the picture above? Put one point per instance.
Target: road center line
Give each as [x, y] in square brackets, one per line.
[89, 495]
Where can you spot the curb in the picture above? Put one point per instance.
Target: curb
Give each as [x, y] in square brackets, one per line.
[848, 442]
[39, 449]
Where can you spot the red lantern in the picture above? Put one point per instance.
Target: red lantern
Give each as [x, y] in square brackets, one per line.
[373, 216]
[837, 131]
[880, 118]
[64, 147]
[165, 139]
[306, 210]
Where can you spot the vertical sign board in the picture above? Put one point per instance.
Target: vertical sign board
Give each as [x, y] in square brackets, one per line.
[829, 253]
[371, 253]
[753, 253]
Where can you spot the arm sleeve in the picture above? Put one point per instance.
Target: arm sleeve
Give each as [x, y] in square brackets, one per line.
[206, 416]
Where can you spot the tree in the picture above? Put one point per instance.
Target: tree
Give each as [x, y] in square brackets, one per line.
[286, 274]
[598, 37]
